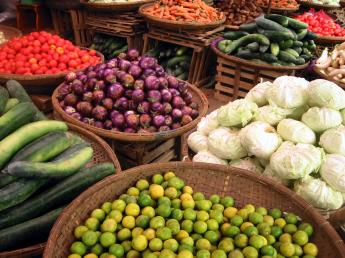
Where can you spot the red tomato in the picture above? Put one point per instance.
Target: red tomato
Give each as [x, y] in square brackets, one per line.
[72, 63]
[53, 63]
[63, 59]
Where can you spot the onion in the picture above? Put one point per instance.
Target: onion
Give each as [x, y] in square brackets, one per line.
[163, 83]
[90, 84]
[108, 103]
[118, 120]
[130, 130]
[84, 108]
[108, 124]
[132, 54]
[127, 80]
[63, 90]
[129, 112]
[143, 107]
[148, 72]
[138, 95]
[154, 96]
[69, 110]
[182, 87]
[98, 96]
[70, 77]
[83, 78]
[188, 98]
[145, 120]
[186, 120]
[174, 92]
[156, 108]
[71, 99]
[100, 85]
[168, 120]
[160, 71]
[139, 84]
[178, 102]
[113, 113]
[98, 124]
[99, 113]
[152, 82]
[167, 108]
[112, 63]
[121, 103]
[132, 121]
[115, 91]
[175, 126]
[132, 105]
[90, 68]
[111, 78]
[124, 65]
[89, 121]
[194, 114]
[186, 110]
[166, 95]
[158, 121]
[147, 62]
[107, 72]
[76, 115]
[173, 82]
[176, 114]
[77, 87]
[91, 74]
[164, 128]
[87, 96]
[135, 71]
[128, 94]
[122, 55]
[114, 129]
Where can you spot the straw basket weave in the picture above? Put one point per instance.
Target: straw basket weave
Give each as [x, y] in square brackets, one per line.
[101, 153]
[244, 186]
[10, 32]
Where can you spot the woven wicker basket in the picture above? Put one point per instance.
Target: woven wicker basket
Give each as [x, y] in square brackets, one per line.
[198, 97]
[326, 77]
[10, 32]
[244, 186]
[310, 4]
[101, 153]
[115, 7]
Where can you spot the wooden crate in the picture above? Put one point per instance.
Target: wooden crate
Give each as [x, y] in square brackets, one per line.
[71, 23]
[234, 80]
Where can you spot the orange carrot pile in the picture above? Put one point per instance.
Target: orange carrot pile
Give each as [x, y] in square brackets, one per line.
[290, 4]
[184, 10]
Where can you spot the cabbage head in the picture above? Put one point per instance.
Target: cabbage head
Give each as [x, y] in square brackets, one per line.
[271, 174]
[258, 93]
[208, 157]
[288, 92]
[323, 93]
[208, 123]
[342, 112]
[271, 114]
[237, 113]
[260, 139]
[247, 163]
[197, 142]
[226, 144]
[292, 161]
[295, 131]
[296, 113]
[321, 119]
[333, 171]
[318, 193]
[333, 140]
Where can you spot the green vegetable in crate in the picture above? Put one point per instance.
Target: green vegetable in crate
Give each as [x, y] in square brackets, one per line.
[10, 104]
[282, 20]
[276, 35]
[232, 35]
[176, 60]
[119, 51]
[224, 45]
[271, 25]
[4, 96]
[297, 25]
[230, 46]
[274, 49]
[249, 27]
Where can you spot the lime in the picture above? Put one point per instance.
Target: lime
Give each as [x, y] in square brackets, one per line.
[244, 213]
[187, 225]
[108, 225]
[250, 208]
[90, 256]
[276, 231]
[163, 210]
[139, 243]
[203, 254]
[187, 189]
[235, 254]
[291, 218]
[230, 212]
[267, 250]
[123, 197]
[270, 239]
[269, 220]
[149, 254]
[116, 215]
[213, 248]
[170, 192]
[236, 221]
[132, 254]
[106, 255]
[185, 247]
[127, 245]
[200, 227]
[156, 191]
[203, 244]
[137, 231]
[186, 204]
[306, 227]
[157, 179]
[261, 210]
[144, 200]
[217, 215]
[98, 214]
[189, 214]
[117, 250]
[90, 238]
[227, 245]
[174, 226]
[133, 191]
[212, 224]
[176, 203]
[97, 249]
[142, 221]
[124, 234]
[169, 175]
[142, 184]
[166, 253]
[78, 248]
[186, 196]
[285, 238]
[157, 222]
[149, 212]
[215, 198]
[196, 237]
[280, 222]
[275, 213]
[119, 205]
[74, 256]
[204, 205]
[156, 244]
[176, 182]
[255, 218]
[298, 250]
[250, 252]
[92, 224]
[132, 209]
[287, 249]
[185, 254]
[149, 233]
[177, 214]
[218, 206]
[107, 239]
[164, 201]
[218, 254]
[164, 233]
[212, 236]
[198, 196]
[181, 235]
[227, 201]
[257, 241]
[224, 227]
[131, 199]
[251, 231]
[79, 231]
[241, 240]
[300, 237]
[128, 222]
[202, 215]
[290, 228]
[310, 249]
[246, 225]
[264, 229]
[188, 241]
[232, 231]
[171, 244]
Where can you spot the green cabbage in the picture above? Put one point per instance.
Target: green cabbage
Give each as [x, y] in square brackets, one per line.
[295, 131]
[248, 163]
[208, 123]
[271, 114]
[271, 174]
[207, 157]
[197, 142]
[258, 93]
[333, 140]
[342, 112]
[333, 171]
[321, 119]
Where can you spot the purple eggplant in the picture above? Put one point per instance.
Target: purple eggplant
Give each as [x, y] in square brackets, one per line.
[84, 108]
[99, 113]
[121, 103]
[83, 78]
[144, 107]
[163, 83]
[167, 108]
[154, 96]
[91, 74]
[115, 91]
[176, 114]
[107, 72]
[132, 105]
[124, 65]
[145, 120]
[70, 99]
[100, 85]
[138, 95]
[158, 121]
[147, 73]
[112, 63]
[135, 71]
[63, 91]
[132, 54]
[98, 96]
[132, 121]
[178, 102]
[108, 103]
[77, 87]
[90, 84]
[152, 82]
[118, 120]
[128, 94]
[182, 87]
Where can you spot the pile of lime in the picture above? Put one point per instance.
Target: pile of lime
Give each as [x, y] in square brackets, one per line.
[166, 219]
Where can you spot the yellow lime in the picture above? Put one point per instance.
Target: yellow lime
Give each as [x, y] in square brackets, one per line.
[171, 244]
[261, 210]
[227, 201]
[108, 225]
[176, 182]
[139, 243]
[202, 215]
[124, 234]
[218, 254]
[163, 210]
[157, 222]
[218, 206]
[174, 226]
[241, 240]
[181, 235]
[298, 250]
[187, 189]
[166, 253]
[300, 237]
[142, 184]
[97, 249]
[291, 218]
[90, 256]
[257, 241]
[107, 239]
[215, 199]
[148, 211]
[198, 196]
[306, 227]
[156, 191]
[203, 254]
[119, 205]
[217, 215]
[270, 239]
[149, 233]
[90, 238]
[133, 191]
[290, 228]
[74, 256]
[250, 208]
[203, 244]
[255, 218]
[176, 203]
[116, 215]
[117, 250]
[79, 231]
[157, 179]
[156, 244]
[212, 224]
[264, 229]
[227, 245]
[310, 249]
[164, 233]
[269, 220]
[244, 213]
[245, 225]
[236, 220]
[287, 249]
[189, 214]
[169, 175]
[251, 231]
[92, 224]
[170, 192]
[285, 238]
[187, 241]
[224, 227]
[177, 214]
[188, 204]
[280, 222]
[186, 196]
[230, 212]
[98, 214]
[204, 205]
[137, 231]
[132, 254]
[185, 254]
[236, 254]
[187, 225]
[128, 222]
[106, 207]
[250, 252]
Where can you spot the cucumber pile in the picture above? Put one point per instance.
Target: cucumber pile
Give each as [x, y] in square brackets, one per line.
[272, 39]
[175, 59]
[41, 169]
[109, 46]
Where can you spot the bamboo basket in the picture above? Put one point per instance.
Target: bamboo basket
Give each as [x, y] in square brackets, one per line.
[10, 32]
[115, 7]
[329, 40]
[326, 77]
[309, 4]
[243, 185]
[101, 153]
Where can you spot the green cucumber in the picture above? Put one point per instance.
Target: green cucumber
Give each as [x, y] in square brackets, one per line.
[297, 43]
[261, 39]
[55, 169]
[10, 104]
[297, 25]
[18, 191]
[292, 52]
[274, 49]
[233, 35]
[286, 57]
[271, 25]
[60, 194]
[120, 50]
[26, 134]
[298, 50]
[311, 35]
[37, 228]
[181, 51]
[246, 54]
[286, 44]
[249, 27]
[276, 35]
[264, 48]
[305, 57]
[4, 96]
[176, 60]
[17, 91]
[282, 20]
[253, 47]
[301, 34]
[269, 58]
[18, 116]
[300, 61]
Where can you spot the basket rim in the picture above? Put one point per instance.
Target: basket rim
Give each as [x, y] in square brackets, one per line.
[314, 5]
[255, 65]
[137, 137]
[326, 77]
[275, 186]
[329, 39]
[122, 6]
[178, 24]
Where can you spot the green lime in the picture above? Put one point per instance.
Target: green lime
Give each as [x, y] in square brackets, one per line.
[108, 225]
[142, 221]
[189, 214]
[310, 249]
[163, 210]
[132, 254]
[235, 254]
[188, 204]
[198, 196]
[267, 250]
[275, 213]
[212, 224]
[181, 235]
[227, 201]
[185, 254]
[170, 192]
[202, 215]
[251, 231]
[185, 247]
[203, 254]
[177, 214]
[264, 229]
[176, 203]
[156, 244]
[212, 236]
[257, 241]
[150, 255]
[133, 191]
[244, 213]
[117, 250]
[79, 231]
[236, 221]
[287, 249]
[116, 215]
[291, 218]
[261, 210]
[90, 238]
[298, 250]
[285, 238]
[128, 222]
[171, 244]
[270, 239]
[92, 224]
[142, 184]
[188, 241]
[98, 214]
[149, 212]
[166, 253]
[106, 255]
[187, 225]
[227, 245]
[290, 228]
[124, 234]
[144, 200]
[232, 231]
[306, 227]
[230, 212]
[176, 182]
[119, 205]
[255, 218]
[127, 245]
[107, 239]
[149, 233]
[203, 244]
[174, 226]
[200, 227]
[78, 248]
[280, 222]
[204, 205]
[300, 237]
[269, 220]
[215, 198]
[157, 179]
[241, 240]
[276, 231]
[164, 201]
[246, 225]
[217, 215]
[97, 249]
[218, 254]
[131, 199]
[218, 206]
[157, 222]
[196, 237]
[250, 252]
[156, 191]
[137, 231]
[139, 243]
[164, 233]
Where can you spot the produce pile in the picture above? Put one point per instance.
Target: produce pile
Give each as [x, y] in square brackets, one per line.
[43, 53]
[167, 219]
[128, 94]
[290, 130]
[175, 59]
[239, 12]
[41, 168]
[321, 23]
[196, 11]
[324, 2]
[109, 46]
[285, 4]
[272, 39]
[333, 64]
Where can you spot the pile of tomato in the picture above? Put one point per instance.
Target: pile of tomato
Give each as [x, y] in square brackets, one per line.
[321, 23]
[43, 53]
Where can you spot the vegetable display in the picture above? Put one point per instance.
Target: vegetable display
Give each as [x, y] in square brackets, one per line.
[287, 4]
[166, 218]
[272, 39]
[321, 23]
[43, 53]
[324, 2]
[239, 12]
[128, 94]
[109, 46]
[290, 130]
[184, 11]
[41, 170]
[175, 59]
